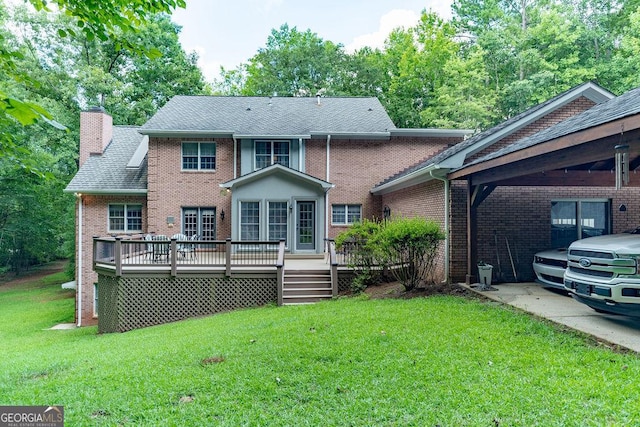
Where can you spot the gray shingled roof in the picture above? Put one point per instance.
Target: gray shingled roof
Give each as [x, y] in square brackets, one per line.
[108, 173]
[470, 142]
[265, 116]
[625, 105]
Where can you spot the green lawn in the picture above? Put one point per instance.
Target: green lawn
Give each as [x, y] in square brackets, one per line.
[445, 361]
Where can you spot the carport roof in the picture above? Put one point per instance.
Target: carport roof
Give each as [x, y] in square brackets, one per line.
[625, 105]
[584, 142]
[453, 157]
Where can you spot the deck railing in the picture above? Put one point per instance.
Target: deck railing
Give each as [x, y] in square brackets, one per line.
[121, 253]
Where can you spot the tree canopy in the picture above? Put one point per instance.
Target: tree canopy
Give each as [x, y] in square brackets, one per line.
[54, 65]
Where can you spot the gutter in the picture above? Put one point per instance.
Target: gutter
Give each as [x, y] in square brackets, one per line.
[235, 156]
[326, 193]
[446, 223]
[108, 192]
[79, 266]
[390, 186]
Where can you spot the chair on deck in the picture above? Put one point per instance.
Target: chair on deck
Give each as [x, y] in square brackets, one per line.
[149, 251]
[160, 249]
[183, 248]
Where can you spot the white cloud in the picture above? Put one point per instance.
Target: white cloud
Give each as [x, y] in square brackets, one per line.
[388, 22]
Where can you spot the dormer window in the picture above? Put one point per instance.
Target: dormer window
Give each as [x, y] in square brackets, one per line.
[271, 152]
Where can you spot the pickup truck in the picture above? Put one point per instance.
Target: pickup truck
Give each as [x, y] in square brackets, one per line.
[603, 272]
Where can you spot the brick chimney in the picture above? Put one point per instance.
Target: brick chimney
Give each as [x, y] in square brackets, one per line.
[96, 131]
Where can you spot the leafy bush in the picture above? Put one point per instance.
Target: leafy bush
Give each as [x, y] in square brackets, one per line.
[361, 255]
[409, 246]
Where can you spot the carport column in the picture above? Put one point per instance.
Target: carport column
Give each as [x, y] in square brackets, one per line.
[472, 234]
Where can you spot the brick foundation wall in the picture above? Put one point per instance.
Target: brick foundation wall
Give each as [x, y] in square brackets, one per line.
[95, 218]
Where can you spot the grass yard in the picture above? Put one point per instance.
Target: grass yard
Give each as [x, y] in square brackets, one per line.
[437, 361]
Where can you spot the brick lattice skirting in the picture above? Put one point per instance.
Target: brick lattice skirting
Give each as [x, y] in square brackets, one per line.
[126, 303]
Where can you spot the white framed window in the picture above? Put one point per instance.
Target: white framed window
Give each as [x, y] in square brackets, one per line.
[345, 214]
[249, 220]
[125, 218]
[199, 221]
[278, 221]
[198, 156]
[271, 152]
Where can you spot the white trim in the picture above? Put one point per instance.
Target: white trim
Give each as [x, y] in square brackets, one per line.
[80, 254]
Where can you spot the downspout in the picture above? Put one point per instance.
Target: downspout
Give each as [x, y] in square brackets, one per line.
[301, 165]
[79, 266]
[235, 157]
[326, 193]
[446, 223]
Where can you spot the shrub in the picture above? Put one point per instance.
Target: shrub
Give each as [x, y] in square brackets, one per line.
[409, 246]
[361, 254]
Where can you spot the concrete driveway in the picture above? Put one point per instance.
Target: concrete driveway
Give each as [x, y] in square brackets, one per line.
[561, 308]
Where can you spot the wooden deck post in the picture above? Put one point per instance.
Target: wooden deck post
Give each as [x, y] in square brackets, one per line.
[280, 271]
[333, 261]
[118, 256]
[228, 257]
[172, 254]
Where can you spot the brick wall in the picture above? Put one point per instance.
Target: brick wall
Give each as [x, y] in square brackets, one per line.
[358, 165]
[426, 200]
[170, 188]
[522, 216]
[95, 217]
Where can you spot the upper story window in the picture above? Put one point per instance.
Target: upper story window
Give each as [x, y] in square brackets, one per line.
[126, 218]
[345, 214]
[199, 156]
[272, 152]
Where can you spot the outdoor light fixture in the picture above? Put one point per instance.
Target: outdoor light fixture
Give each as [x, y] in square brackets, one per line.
[622, 208]
[222, 215]
[386, 212]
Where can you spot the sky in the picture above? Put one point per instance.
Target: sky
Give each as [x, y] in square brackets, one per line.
[229, 32]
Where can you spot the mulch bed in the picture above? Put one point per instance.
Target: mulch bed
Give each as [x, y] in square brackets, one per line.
[396, 290]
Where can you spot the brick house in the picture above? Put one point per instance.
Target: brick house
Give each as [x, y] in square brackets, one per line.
[303, 169]
[245, 168]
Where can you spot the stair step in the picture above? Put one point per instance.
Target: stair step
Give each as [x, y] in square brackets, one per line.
[304, 299]
[307, 284]
[288, 272]
[290, 291]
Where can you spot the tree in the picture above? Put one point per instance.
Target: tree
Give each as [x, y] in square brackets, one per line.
[465, 100]
[110, 21]
[293, 63]
[36, 217]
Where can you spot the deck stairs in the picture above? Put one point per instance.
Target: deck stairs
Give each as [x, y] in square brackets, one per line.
[306, 286]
